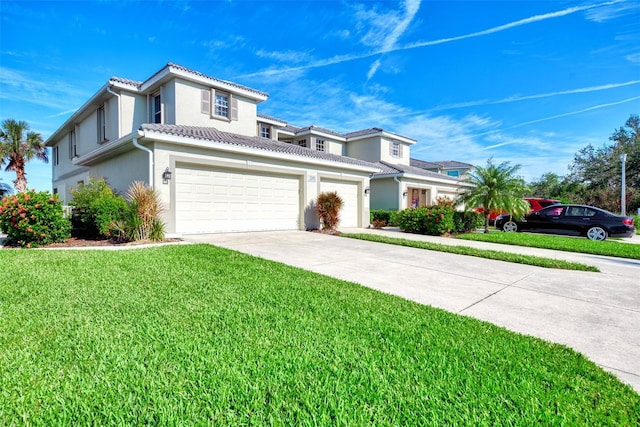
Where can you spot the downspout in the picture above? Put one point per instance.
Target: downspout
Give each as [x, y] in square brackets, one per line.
[143, 148]
[400, 196]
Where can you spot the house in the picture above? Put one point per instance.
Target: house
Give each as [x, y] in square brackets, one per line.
[220, 166]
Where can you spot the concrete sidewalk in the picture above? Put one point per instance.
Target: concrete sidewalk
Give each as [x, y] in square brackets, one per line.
[597, 314]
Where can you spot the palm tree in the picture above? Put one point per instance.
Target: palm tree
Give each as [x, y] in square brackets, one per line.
[494, 188]
[17, 147]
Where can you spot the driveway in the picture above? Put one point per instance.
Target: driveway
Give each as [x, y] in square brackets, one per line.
[597, 314]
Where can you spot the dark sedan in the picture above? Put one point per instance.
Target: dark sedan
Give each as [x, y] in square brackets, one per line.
[573, 220]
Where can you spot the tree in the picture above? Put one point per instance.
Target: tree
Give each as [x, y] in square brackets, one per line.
[17, 146]
[494, 188]
[598, 171]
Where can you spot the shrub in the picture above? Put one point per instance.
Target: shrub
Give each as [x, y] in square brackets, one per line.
[32, 219]
[467, 221]
[328, 207]
[96, 209]
[434, 220]
[387, 216]
[144, 213]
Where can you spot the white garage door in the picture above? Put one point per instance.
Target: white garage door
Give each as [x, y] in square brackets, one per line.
[349, 193]
[210, 200]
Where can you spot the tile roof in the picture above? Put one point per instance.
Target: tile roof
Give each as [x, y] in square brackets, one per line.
[320, 129]
[453, 164]
[389, 169]
[129, 82]
[199, 74]
[424, 165]
[362, 132]
[264, 116]
[212, 134]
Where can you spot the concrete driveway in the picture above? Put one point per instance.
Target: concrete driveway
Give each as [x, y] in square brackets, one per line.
[597, 314]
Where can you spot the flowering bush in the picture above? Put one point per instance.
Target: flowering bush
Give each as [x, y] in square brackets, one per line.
[434, 220]
[31, 219]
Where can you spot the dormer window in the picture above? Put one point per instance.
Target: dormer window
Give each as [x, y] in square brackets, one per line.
[265, 131]
[320, 145]
[221, 108]
[218, 105]
[302, 143]
[396, 149]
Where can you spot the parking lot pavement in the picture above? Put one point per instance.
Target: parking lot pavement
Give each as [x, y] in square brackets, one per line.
[597, 314]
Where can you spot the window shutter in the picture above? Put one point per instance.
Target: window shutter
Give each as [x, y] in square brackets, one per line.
[399, 150]
[205, 101]
[234, 108]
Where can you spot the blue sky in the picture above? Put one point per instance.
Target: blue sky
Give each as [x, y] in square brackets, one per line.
[526, 82]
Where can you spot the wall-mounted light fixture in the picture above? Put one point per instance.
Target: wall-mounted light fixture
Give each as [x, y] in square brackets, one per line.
[367, 190]
[166, 176]
[405, 194]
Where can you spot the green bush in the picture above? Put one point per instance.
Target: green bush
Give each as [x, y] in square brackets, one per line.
[467, 221]
[636, 222]
[434, 220]
[32, 219]
[386, 216]
[96, 209]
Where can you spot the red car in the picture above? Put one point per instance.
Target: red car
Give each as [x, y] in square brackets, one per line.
[536, 203]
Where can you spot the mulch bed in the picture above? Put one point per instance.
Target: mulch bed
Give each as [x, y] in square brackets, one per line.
[76, 242]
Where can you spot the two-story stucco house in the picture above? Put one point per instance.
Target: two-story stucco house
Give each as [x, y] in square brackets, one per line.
[220, 166]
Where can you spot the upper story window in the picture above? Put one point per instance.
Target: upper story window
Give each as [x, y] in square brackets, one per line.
[396, 149]
[302, 143]
[56, 155]
[320, 144]
[156, 108]
[218, 105]
[102, 124]
[72, 144]
[265, 131]
[454, 174]
[221, 108]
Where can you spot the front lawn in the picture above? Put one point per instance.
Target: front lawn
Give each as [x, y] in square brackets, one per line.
[198, 335]
[480, 253]
[562, 243]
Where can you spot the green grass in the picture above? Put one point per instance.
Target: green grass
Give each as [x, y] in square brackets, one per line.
[480, 253]
[198, 335]
[562, 243]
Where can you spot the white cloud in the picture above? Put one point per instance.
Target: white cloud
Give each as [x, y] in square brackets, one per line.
[612, 10]
[289, 56]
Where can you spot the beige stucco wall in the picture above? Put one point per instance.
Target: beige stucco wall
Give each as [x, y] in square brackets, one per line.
[365, 149]
[310, 175]
[134, 112]
[188, 110]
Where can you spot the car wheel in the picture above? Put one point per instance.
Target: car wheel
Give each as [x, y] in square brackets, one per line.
[510, 227]
[596, 233]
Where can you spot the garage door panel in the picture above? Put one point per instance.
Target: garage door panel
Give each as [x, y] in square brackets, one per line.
[217, 200]
[348, 191]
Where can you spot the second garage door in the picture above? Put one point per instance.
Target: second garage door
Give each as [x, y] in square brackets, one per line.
[210, 200]
[348, 191]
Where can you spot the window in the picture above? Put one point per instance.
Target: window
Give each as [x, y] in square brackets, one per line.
[320, 144]
[205, 101]
[396, 149]
[72, 144]
[56, 155]
[265, 131]
[156, 112]
[453, 173]
[222, 105]
[102, 125]
[302, 143]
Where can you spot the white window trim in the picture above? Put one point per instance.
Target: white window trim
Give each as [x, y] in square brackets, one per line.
[321, 144]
